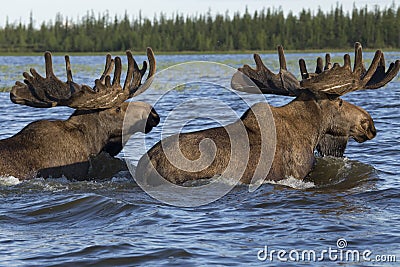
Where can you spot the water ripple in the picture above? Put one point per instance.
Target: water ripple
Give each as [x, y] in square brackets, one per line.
[56, 222]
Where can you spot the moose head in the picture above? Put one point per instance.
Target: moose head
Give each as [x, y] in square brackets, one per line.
[326, 85]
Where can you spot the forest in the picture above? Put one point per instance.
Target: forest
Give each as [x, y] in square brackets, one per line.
[262, 30]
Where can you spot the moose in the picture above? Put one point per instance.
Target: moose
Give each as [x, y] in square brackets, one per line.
[316, 118]
[54, 148]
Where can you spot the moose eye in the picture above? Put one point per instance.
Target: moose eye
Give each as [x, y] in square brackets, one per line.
[118, 110]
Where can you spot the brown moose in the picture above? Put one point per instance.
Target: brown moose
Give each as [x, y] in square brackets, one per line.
[317, 116]
[54, 148]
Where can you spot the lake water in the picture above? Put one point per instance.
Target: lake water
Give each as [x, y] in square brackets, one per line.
[56, 222]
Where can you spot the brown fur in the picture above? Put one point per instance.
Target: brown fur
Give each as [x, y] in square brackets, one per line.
[64, 147]
[300, 125]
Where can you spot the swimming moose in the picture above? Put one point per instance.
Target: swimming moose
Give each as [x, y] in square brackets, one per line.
[54, 148]
[317, 114]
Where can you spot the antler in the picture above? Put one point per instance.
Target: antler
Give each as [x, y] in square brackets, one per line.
[335, 80]
[49, 91]
[283, 83]
[339, 80]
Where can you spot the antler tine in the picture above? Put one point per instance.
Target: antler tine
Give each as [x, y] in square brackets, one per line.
[282, 59]
[132, 70]
[108, 68]
[152, 62]
[328, 63]
[347, 62]
[48, 64]
[282, 83]
[150, 75]
[366, 76]
[117, 72]
[359, 67]
[143, 69]
[137, 78]
[260, 64]
[68, 69]
[303, 69]
[320, 66]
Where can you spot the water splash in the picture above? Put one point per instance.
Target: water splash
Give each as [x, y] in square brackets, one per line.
[9, 181]
[293, 183]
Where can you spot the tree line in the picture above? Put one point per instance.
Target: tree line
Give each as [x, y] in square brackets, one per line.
[262, 30]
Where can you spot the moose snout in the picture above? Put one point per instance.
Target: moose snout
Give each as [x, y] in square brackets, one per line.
[365, 135]
[152, 121]
[372, 132]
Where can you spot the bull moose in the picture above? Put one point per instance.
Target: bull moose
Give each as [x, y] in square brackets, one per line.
[53, 148]
[316, 117]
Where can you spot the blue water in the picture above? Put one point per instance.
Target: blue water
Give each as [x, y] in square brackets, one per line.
[57, 222]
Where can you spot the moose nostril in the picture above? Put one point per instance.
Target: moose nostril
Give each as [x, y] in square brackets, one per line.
[155, 116]
[153, 120]
[373, 131]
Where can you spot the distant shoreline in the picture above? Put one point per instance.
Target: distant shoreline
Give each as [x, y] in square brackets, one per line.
[326, 50]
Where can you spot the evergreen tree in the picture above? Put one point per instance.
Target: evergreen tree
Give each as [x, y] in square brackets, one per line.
[262, 30]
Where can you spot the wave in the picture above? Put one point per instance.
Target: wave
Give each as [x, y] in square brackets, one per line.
[341, 173]
[290, 182]
[329, 172]
[10, 186]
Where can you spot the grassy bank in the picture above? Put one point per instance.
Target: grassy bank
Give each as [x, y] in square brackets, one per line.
[5, 89]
